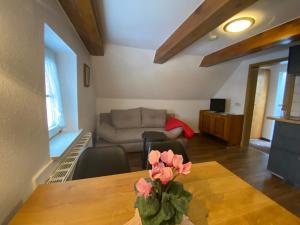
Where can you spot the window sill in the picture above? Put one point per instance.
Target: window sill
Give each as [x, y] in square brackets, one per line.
[60, 143]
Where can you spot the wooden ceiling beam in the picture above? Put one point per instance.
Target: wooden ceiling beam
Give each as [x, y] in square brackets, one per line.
[281, 35]
[208, 16]
[86, 20]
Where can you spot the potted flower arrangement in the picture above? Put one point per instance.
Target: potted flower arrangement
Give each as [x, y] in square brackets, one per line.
[160, 199]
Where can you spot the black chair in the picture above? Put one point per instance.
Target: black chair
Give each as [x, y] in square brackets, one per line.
[174, 145]
[150, 137]
[95, 162]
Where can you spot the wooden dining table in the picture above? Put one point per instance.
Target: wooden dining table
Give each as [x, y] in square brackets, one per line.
[219, 198]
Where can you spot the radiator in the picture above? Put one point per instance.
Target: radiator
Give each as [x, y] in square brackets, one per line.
[65, 169]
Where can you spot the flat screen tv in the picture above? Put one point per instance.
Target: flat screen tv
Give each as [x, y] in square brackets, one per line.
[294, 61]
[217, 105]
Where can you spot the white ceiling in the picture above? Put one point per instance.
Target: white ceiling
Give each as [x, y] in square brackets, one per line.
[143, 23]
[147, 24]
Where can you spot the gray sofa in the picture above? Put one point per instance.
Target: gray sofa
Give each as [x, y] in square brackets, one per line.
[125, 128]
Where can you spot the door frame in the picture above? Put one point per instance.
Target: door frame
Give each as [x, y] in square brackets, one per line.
[251, 91]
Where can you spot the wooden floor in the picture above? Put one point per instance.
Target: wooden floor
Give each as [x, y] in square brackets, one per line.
[249, 164]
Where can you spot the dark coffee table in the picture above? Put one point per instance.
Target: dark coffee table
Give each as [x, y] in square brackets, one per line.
[150, 137]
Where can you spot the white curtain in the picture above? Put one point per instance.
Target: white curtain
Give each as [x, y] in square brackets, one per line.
[53, 95]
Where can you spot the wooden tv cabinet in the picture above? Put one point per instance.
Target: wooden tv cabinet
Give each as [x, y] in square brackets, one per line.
[228, 127]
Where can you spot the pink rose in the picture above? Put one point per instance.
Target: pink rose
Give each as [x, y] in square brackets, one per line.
[177, 163]
[153, 157]
[186, 168]
[143, 187]
[155, 173]
[166, 174]
[167, 157]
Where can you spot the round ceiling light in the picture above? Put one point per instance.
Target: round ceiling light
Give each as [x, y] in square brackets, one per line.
[239, 25]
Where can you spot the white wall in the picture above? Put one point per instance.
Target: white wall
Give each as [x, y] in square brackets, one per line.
[23, 126]
[67, 70]
[187, 110]
[268, 125]
[296, 99]
[234, 88]
[127, 77]
[126, 72]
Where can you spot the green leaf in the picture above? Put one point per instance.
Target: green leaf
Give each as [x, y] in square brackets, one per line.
[154, 220]
[166, 206]
[157, 186]
[178, 217]
[146, 221]
[165, 215]
[169, 210]
[176, 188]
[169, 222]
[187, 195]
[181, 203]
[147, 207]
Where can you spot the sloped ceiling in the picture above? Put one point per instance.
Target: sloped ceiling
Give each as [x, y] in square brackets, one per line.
[126, 72]
[267, 14]
[134, 29]
[143, 23]
[147, 24]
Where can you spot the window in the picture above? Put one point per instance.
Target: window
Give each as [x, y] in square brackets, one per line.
[55, 115]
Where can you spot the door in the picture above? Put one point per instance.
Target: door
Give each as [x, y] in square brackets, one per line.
[261, 95]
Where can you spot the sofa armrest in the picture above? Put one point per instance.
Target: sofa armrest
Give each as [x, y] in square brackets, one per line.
[107, 132]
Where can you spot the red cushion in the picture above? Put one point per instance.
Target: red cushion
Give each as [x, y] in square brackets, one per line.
[174, 123]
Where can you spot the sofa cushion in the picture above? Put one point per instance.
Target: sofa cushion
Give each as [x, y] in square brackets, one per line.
[133, 135]
[130, 118]
[174, 133]
[130, 135]
[107, 132]
[153, 117]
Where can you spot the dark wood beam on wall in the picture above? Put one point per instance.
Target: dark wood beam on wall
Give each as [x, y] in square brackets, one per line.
[85, 17]
[208, 16]
[281, 35]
